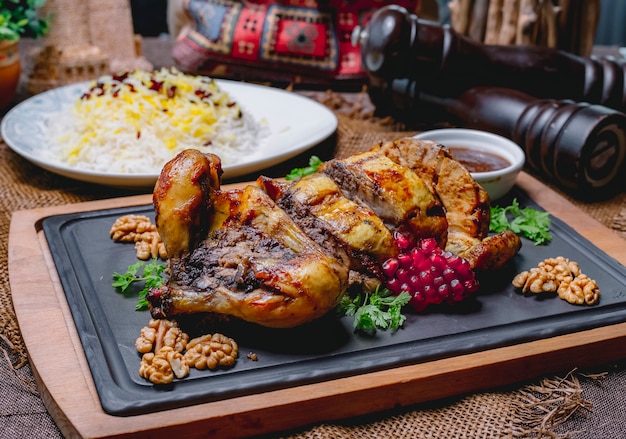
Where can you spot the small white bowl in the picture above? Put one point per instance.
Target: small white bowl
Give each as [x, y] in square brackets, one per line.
[497, 183]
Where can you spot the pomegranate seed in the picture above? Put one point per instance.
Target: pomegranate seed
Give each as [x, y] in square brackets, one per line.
[430, 274]
[401, 241]
[426, 277]
[402, 274]
[439, 262]
[471, 286]
[449, 274]
[405, 260]
[429, 293]
[418, 303]
[457, 287]
[443, 290]
[390, 266]
[394, 285]
[455, 262]
[415, 282]
[418, 256]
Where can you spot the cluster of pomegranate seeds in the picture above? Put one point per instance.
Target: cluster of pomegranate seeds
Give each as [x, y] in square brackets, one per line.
[429, 274]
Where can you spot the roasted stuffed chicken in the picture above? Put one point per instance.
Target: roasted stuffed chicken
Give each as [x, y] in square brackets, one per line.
[282, 254]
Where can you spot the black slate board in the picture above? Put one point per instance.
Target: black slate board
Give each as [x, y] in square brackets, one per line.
[498, 315]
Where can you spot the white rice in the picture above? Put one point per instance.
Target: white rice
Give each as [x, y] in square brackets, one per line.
[123, 125]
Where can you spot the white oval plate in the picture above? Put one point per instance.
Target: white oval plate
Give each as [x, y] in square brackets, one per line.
[296, 124]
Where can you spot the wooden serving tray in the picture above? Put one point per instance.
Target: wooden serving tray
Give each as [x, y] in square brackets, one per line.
[69, 393]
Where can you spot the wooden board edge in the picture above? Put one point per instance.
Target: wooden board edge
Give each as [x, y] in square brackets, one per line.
[77, 411]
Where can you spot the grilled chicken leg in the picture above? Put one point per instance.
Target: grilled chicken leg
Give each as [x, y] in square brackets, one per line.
[182, 199]
[254, 262]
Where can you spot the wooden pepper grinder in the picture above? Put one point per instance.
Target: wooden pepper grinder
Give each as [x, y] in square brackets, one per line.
[420, 70]
[397, 44]
[580, 146]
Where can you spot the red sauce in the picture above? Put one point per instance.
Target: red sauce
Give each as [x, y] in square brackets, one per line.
[478, 161]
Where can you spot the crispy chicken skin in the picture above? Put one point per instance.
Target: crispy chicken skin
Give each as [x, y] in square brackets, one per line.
[394, 192]
[254, 262]
[342, 226]
[466, 203]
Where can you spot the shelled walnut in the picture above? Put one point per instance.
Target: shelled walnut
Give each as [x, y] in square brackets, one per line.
[161, 367]
[161, 333]
[562, 276]
[210, 351]
[580, 291]
[162, 343]
[168, 352]
[141, 231]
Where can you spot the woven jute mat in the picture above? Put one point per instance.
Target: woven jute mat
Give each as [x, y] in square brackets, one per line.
[557, 407]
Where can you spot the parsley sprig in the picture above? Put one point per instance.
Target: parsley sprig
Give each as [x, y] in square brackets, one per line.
[150, 274]
[529, 222]
[314, 164]
[377, 310]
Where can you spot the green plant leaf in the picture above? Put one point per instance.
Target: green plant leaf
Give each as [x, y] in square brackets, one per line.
[150, 274]
[314, 164]
[528, 222]
[380, 310]
[20, 18]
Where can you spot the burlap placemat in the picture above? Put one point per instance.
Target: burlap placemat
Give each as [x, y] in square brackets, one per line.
[565, 406]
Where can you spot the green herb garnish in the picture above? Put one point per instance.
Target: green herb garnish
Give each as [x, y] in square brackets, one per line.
[528, 222]
[378, 310]
[314, 164]
[151, 274]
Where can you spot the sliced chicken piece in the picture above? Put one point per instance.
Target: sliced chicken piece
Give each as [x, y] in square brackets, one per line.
[254, 263]
[466, 203]
[493, 251]
[394, 192]
[341, 226]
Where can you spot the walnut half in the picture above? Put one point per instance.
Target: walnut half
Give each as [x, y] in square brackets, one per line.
[161, 367]
[562, 276]
[580, 291]
[140, 230]
[160, 333]
[210, 351]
